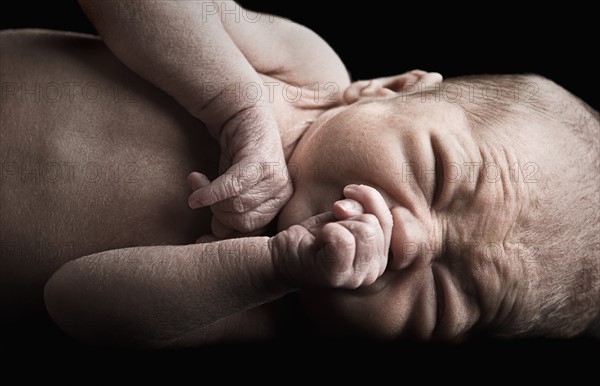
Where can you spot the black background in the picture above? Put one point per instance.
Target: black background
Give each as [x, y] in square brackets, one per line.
[373, 40]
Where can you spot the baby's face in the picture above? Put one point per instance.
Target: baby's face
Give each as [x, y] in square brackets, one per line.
[455, 264]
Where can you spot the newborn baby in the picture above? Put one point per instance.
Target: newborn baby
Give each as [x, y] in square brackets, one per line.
[475, 172]
[421, 209]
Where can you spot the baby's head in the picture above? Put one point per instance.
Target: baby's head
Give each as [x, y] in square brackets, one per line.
[493, 185]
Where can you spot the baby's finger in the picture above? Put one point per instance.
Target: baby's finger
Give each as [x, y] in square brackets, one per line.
[197, 181]
[315, 223]
[344, 209]
[336, 257]
[259, 216]
[259, 195]
[373, 202]
[370, 255]
[226, 186]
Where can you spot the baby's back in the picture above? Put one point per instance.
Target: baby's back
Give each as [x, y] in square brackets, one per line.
[92, 158]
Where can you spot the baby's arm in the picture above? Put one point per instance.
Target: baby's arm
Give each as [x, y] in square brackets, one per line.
[190, 295]
[178, 47]
[285, 50]
[158, 296]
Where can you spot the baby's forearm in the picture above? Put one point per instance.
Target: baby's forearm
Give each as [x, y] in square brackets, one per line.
[191, 49]
[152, 296]
[180, 47]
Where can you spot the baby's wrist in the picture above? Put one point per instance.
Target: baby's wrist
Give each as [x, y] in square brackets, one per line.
[249, 122]
[254, 255]
[278, 255]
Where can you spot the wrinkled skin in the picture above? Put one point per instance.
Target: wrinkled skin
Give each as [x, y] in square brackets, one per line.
[434, 285]
[344, 248]
[201, 59]
[455, 261]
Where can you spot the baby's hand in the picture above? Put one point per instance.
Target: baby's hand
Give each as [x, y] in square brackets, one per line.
[345, 248]
[254, 185]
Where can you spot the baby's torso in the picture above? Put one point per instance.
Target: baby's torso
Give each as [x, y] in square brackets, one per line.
[92, 158]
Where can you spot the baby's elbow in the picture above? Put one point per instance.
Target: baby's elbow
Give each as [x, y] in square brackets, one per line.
[64, 295]
[62, 304]
[71, 302]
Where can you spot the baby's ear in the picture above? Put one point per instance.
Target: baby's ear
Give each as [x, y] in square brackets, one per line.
[392, 85]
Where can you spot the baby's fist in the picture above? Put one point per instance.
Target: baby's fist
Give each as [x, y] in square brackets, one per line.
[345, 248]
